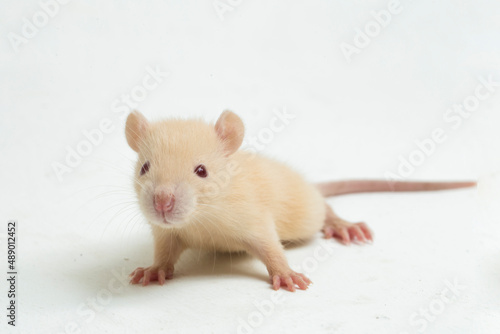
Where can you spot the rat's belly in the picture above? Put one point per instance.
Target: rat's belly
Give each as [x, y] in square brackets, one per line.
[201, 236]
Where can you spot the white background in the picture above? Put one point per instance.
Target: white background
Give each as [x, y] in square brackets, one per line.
[353, 120]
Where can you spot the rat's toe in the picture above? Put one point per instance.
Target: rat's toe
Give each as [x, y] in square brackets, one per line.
[161, 276]
[138, 274]
[355, 232]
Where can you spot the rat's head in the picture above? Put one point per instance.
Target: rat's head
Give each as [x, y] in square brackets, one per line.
[178, 163]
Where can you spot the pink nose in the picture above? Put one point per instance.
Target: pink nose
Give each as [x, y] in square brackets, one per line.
[164, 202]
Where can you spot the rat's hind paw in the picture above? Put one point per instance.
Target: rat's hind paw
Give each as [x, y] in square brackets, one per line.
[151, 274]
[289, 281]
[347, 232]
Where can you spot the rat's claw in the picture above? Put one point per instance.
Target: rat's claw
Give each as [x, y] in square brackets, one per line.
[300, 282]
[366, 231]
[133, 273]
[276, 282]
[161, 276]
[361, 232]
[347, 232]
[290, 281]
[137, 275]
[304, 278]
[290, 284]
[356, 233]
[147, 277]
[151, 274]
[343, 234]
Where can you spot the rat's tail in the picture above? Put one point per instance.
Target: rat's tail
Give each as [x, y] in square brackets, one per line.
[328, 189]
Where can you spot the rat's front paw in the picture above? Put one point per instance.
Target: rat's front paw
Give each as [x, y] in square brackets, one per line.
[347, 232]
[289, 280]
[151, 274]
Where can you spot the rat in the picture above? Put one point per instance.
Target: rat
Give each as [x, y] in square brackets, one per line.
[198, 189]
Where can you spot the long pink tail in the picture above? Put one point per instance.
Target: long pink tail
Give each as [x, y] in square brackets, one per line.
[365, 186]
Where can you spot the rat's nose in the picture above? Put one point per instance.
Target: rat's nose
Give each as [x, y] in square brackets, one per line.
[164, 202]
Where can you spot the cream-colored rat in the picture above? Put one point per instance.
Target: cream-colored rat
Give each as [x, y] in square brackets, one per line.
[199, 191]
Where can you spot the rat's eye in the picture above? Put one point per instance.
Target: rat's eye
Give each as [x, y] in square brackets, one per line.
[201, 171]
[145, 168]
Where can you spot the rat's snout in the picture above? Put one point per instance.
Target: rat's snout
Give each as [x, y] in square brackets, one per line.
[173, 204]
[164, 202]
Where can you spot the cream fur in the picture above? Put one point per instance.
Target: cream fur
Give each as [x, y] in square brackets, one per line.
[247, 202]
[228, 206]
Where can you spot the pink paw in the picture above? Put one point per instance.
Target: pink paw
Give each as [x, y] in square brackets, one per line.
[151, 274]
[349, 232]
[290, 280]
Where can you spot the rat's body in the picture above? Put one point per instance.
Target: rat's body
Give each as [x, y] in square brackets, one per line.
[198, 191]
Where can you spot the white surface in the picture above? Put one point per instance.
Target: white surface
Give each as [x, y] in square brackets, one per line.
[353, 120]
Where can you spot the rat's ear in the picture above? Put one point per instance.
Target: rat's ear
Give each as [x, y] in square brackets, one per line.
[230, 130]
[135, 129]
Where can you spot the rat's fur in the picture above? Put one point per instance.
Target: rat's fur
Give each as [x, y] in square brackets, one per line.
[247, 202]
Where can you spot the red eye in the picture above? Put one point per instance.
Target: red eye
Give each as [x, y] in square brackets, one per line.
[145, 168]
[201, 171]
